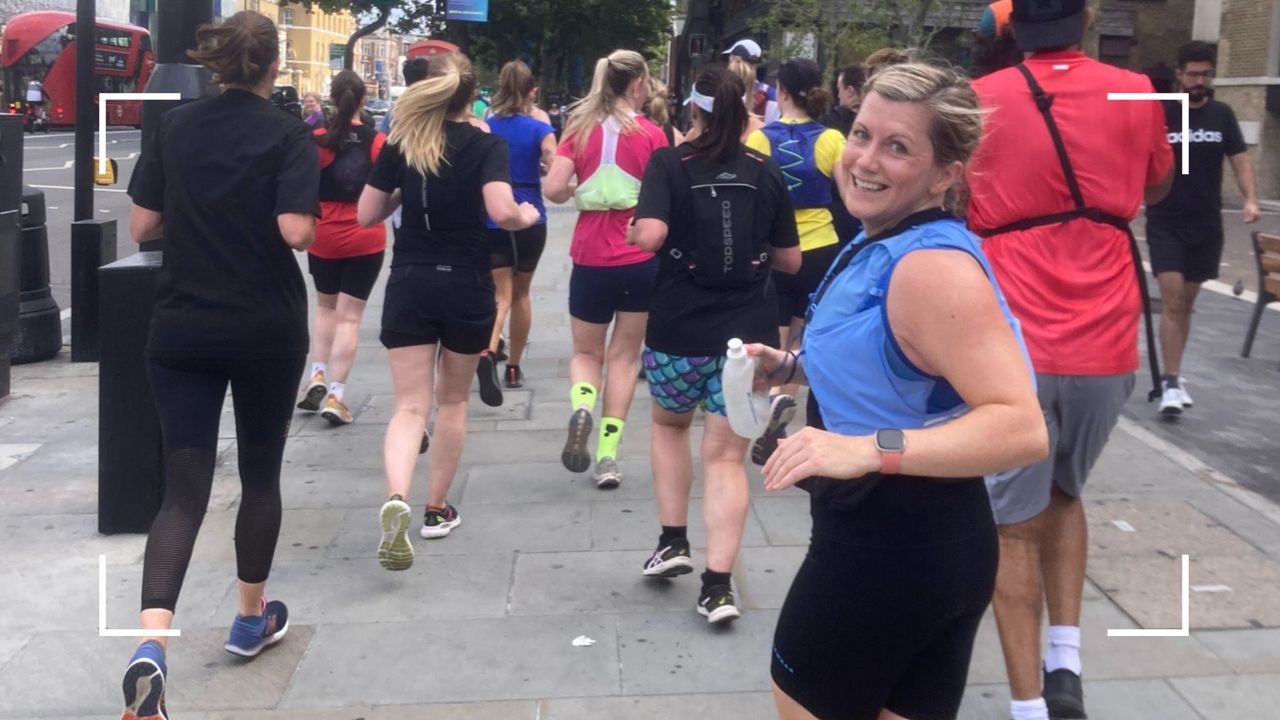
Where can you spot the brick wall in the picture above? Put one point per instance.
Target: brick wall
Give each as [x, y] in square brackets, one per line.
[1246, 38]
[1249, 104]
[1161, 27]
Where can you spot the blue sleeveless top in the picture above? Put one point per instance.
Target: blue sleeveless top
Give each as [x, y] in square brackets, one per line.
[792, 147]
[524, 137]
[860, 376]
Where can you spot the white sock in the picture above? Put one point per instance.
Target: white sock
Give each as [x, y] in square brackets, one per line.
[1064, 649]
[319, 367]
[1029, 709]
[337, 389]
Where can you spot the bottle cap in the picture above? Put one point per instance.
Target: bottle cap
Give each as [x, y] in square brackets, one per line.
[735, 343]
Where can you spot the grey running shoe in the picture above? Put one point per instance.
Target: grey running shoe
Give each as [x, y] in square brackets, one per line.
[395, 552]
[607, 475]
[781, 409]
[575, 456]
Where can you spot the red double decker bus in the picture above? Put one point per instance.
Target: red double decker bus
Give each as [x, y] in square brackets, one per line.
[42, 46]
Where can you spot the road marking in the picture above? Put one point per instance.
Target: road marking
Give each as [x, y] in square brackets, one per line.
[102, 612]
[1187, 117]
[103, 99]
[66, 165]
[68, 187]
[65, 314]
[1220, 288]
[1184, 631]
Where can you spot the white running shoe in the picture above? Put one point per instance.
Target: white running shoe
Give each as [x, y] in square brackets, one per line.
[1182, 388]
[1171, 402]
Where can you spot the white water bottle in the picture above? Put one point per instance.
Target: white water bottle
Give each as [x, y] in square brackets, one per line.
[748, 411]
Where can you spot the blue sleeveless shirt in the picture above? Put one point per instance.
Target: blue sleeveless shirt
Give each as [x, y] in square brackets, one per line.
[792, 146]
[524, 137]
[862, 379]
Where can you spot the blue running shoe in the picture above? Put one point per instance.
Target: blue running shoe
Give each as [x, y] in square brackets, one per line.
[144, 684]
[251, 635]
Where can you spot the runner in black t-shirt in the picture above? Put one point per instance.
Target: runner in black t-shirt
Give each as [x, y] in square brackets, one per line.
[449, 175]
[1184, 231]
[231, 182]
[690, 324]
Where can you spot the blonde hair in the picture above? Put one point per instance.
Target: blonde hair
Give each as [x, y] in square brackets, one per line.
[515, 84]
[655, 107]
[886, 58]
[747, 73]
[955, 123]
[613, 74]
[418, 129]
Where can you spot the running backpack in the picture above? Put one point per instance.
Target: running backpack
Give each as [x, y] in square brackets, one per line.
[344, 178]
[793, 146]
[727, 250]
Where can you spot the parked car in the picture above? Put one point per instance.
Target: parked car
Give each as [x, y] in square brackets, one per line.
[286, 98]
[378, 109]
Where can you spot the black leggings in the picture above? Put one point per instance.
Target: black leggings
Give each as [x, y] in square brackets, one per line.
[189, 394]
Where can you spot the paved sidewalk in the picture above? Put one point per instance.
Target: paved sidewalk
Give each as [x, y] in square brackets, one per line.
[482, 626]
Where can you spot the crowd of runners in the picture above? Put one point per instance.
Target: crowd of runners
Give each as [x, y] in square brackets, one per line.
[939, 269]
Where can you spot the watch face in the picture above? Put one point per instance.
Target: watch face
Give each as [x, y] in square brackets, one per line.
[891, 440]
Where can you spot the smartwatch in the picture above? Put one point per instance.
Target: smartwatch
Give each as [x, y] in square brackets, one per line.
[891, 443]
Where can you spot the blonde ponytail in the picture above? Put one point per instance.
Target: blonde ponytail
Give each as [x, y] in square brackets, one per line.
[420, 114]
[613, 75]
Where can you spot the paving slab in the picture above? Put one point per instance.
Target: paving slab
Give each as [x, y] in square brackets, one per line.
[1232, 697]
[598, 581]
[1104, 699]
[633, 525]
[1145, 529]
[764, 574]
[785, 518]
[739, 706]
[304, 535]
[520, 710]
[1246, 651]
[458, 661]
[550, 482]
[678, 652]
[485, 528]
[1237, 591]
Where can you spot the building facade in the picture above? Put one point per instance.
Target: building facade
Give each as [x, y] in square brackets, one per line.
[378, 62]
[314, 45]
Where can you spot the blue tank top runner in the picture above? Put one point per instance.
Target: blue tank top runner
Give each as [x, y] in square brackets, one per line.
[856, 369]
[792, 146]
[524, 137]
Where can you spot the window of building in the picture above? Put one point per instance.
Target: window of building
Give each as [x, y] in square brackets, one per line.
[1114, 50]
[286, 16]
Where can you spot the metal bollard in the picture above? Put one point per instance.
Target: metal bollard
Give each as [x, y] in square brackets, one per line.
[39, 334]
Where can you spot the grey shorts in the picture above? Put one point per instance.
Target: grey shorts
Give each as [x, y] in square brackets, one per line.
[1080, 412]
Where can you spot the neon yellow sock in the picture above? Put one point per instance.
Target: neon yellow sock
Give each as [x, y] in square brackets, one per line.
[610, 436]
[583, 395]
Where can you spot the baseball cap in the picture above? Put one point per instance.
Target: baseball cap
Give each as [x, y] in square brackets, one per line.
[1040, 24]
[746, 49]
[995, 18]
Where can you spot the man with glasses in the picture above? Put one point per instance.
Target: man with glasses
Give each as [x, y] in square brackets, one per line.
[1184, 231]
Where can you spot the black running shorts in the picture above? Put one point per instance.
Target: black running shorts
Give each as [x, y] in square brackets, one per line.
[884, 610]
[353, 276]
[429, 304]
[1191, 245]
[520, 249]
[794, 290]
[596, 293]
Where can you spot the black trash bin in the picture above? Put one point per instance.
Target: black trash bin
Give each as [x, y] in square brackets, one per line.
[39, 321]
[130, 471]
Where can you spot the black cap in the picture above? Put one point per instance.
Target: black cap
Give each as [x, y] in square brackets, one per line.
[799, 75]
[1040, 24]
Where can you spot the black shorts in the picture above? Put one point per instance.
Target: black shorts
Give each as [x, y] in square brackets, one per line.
[1191, 245]
[884, 610]
[794, 290]
[520, 249]
[428, 304]
[596, 293]
[353, 276]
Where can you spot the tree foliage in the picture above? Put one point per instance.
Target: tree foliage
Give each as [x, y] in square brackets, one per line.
[406, 16]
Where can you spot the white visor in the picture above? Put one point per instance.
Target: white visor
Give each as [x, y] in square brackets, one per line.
[702, 101]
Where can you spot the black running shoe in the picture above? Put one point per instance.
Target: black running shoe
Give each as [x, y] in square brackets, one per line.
[426, 443]
[669, 561]
[515, 377]
[1064, 694]
[487, 374]
[781, 409]
[439, 523]
[501, 354]
[575, 456]
[717, 604]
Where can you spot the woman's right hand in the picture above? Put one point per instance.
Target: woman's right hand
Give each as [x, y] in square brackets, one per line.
[529, 214]
[770, 363]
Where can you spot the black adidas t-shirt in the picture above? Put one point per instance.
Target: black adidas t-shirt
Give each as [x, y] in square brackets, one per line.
[1215, 135]
[443, 215]
[684, 317]
[221, 170]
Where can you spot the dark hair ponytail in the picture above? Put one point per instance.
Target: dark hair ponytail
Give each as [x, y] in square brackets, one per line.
[723, 126]
[240, 51]
[802, 80]
[346, 91]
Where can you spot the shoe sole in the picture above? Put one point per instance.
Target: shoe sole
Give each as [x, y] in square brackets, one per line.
[608, 481]
[143, 688]
[335, 418]
[1171, 410]
[724, 613]
[275, 637]
[315, 395]
[779, 417]
[439, 531]
[675, 567]
[575, 456]
[395, 552]
[426, 444]
[487, 375]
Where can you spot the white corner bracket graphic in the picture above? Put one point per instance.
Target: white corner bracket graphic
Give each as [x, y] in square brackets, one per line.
[103, 99]
[102, 612]
[1182, 98]
[1185, 630]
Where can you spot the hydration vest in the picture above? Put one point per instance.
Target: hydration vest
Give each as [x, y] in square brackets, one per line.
[343, 180]
[609, 187]
[1044, 102]
[792, 146]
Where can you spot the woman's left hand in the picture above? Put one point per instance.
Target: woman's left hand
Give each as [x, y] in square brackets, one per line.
[813, 452]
